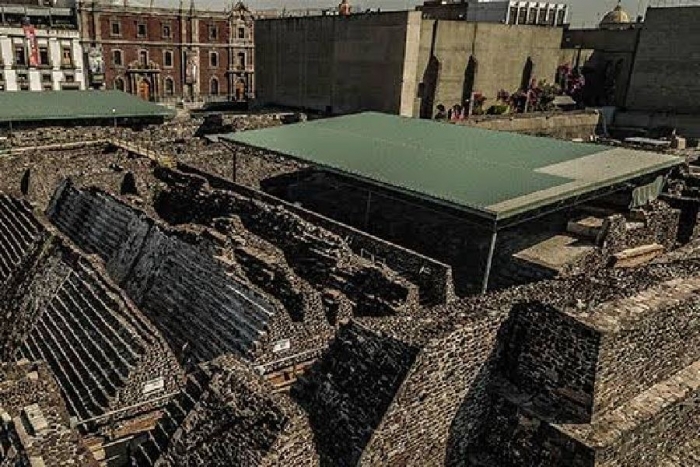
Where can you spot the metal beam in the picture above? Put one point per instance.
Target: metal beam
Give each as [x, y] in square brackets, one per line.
[489, 262]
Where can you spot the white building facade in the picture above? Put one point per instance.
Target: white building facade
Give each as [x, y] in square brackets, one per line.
[518, 12]
[38, 54]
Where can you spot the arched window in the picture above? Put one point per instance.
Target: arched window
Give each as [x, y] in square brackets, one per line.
[169, 87]
[214, 87]
[119, 84]
[241, 60]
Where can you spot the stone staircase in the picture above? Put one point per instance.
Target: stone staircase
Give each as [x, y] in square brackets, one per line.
[88, 222]
[148, 453]
[185, 292]
[19, 232]
[89, 341]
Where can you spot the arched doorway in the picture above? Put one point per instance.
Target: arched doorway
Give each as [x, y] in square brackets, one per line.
[240, 90]
[144, 91]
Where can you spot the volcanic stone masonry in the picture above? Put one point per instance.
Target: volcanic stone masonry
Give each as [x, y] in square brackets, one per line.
[34, 423]
[59, 308]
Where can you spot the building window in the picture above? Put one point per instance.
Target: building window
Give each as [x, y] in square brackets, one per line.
[46, 78]
[141, 30]
[116, 28]
[241, 33]
[20, 55]
[531, 15]
[166, 31]
[168, 59]
[542, 19]
[143, 58]
[561, 16]
[44, 55]
[214, 87]
[552, 17]
[66, 57]
[241, 60]
[117, 58]
[522, 15]
[213, 33]
[513, 16]
[69, 78]
[213, 59]
[169, 87]
[119, 84]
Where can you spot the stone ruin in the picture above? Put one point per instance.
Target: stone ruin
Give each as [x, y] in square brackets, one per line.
[194, 321]
[35, 426]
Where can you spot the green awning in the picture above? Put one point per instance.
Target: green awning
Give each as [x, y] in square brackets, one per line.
[24, 106]
[493, 174]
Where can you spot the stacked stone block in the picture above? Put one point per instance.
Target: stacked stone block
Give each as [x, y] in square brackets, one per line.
[610, 385]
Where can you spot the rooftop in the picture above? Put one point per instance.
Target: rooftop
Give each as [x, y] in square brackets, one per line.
[495, 175]
[70, 105]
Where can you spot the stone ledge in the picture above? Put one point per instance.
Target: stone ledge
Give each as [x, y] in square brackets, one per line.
[620, 315]
[610, 426]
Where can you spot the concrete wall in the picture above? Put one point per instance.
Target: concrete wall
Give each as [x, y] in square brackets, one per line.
[341, 64]
[666, 67]
[607, 56]
[501, 52]
[567, 125]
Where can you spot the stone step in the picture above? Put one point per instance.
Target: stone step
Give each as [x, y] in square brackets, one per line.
[588, 227]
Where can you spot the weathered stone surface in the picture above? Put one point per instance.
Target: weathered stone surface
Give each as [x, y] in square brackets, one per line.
[29, 392]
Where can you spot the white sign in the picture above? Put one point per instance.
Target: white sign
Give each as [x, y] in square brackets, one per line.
[154, 385]
[282, 345]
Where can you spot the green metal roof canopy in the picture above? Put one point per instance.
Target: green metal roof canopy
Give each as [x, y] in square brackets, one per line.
[24, 106]
[496, 175]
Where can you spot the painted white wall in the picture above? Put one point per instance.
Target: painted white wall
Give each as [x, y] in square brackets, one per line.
[55, 39]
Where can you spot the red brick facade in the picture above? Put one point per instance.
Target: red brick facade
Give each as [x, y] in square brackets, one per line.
[163, 54]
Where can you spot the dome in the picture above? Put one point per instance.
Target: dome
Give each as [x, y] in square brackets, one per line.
[616, 17]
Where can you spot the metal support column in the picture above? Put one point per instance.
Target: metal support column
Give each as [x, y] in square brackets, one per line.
[367, 208]
[489, 261]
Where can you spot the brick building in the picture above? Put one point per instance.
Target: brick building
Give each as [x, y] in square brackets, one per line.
[166, 54]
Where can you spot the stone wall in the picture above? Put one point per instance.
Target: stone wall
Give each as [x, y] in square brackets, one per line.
[553, 358]
[172, 280]
[568, 125]
[347, 392]
[458, 57]
[663, 75]
[442, 404]
[433, 277]
[334, 63]
[646, 339]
